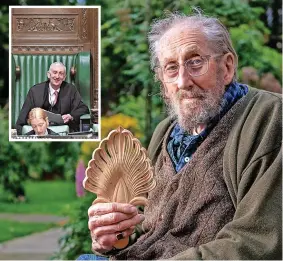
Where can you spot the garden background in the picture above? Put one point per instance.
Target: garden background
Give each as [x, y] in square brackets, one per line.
[47, 171]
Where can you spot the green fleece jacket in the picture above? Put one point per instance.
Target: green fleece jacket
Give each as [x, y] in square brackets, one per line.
[252, 169]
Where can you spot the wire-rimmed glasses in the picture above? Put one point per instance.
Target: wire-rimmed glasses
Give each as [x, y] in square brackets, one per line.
[195, 66]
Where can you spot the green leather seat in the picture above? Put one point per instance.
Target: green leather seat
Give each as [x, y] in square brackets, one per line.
[28, 70]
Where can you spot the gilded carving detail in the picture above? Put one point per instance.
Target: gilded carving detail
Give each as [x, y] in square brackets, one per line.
[45, 24]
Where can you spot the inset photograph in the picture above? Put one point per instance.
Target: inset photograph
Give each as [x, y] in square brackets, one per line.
[54, 73]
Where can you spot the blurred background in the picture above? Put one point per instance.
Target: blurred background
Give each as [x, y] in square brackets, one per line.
[40, 182]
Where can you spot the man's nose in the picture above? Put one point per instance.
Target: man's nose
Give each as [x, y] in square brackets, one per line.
[184, 80]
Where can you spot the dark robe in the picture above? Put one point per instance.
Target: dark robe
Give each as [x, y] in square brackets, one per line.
[69, 102]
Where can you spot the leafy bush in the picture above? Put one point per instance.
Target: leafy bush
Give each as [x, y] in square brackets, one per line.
[22, 160]
[61, 161]
[134, 106]
[77, 239]
[13, 166]
[249, 44]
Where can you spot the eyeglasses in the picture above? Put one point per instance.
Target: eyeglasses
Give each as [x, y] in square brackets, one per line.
[196, 66]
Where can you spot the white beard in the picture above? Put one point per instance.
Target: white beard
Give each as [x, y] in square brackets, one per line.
[190, 113]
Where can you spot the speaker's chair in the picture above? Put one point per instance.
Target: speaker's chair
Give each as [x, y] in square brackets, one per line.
[28, 70]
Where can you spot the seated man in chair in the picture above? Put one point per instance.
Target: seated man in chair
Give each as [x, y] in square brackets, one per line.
[57, 96]
[39, 122]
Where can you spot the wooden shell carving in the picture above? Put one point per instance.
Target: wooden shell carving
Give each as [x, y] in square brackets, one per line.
[120, 171]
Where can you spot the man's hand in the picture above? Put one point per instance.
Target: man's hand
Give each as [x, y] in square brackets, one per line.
[67, 117]
[106, 220]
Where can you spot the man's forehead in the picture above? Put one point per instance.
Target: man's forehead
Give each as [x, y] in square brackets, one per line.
[57, 67]
[181, 50]
[181, 41]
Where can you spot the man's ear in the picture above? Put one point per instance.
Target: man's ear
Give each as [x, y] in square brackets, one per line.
[229, 68]
[48, 75]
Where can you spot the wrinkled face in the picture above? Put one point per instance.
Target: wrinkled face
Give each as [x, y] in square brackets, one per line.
[56, 75]
[194, 100]
[39, 126]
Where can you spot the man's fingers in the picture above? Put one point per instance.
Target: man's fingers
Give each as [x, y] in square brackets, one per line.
[99, 230]
[101, 249]
[106, 242]
[112, 219]
[107, 219]
[105, 208]
[109, 240]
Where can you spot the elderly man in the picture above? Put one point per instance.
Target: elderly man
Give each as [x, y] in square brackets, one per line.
[54, 95]
[217, 157]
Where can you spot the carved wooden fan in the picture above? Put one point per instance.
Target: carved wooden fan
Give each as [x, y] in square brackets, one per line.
[120, 171]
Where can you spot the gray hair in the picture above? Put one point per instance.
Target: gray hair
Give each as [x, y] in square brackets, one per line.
[57, 63]
[214, 31]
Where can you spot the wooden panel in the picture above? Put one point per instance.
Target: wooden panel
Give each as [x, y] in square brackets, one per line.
[34, 28]
[57, 30]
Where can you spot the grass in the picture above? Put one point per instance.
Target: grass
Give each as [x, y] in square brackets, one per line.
[43, 197]
[12, 229]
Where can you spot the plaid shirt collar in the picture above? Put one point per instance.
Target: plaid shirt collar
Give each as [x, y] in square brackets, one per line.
[181, 145]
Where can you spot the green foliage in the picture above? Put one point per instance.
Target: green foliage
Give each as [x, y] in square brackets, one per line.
[249, 44]
[233, 13]
[77, 239]
[125, 50]
[4, 25]
[22, 160]
[132, 106]
[13, 167]
[4, 57]
[125, 60]
[48, 197]
[62, 160]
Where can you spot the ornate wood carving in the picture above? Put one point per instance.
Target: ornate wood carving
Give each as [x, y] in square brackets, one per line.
[50, 48]
[120, 171]
[45, 24]
[84, 23]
